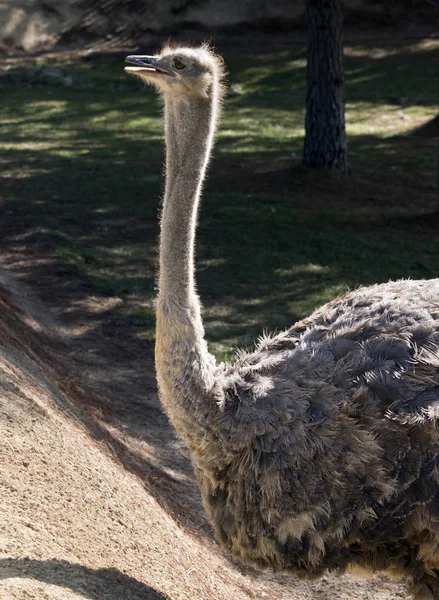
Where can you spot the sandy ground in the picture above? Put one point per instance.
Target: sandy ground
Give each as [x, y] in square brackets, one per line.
[97, 496]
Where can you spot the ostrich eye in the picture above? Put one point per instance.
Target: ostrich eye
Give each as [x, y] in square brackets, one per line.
[179, 64]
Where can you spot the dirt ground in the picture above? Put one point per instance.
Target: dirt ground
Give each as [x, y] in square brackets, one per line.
[97, 496]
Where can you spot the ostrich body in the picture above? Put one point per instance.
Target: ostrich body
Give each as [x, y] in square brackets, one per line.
[319, 450]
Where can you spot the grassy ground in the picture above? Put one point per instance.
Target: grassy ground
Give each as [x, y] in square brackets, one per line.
[81, 162]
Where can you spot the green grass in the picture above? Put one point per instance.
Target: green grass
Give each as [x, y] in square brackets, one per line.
[82, 176]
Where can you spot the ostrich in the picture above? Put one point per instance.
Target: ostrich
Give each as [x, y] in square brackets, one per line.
[319, 450]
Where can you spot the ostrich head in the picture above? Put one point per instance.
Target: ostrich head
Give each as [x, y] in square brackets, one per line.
[179, 70]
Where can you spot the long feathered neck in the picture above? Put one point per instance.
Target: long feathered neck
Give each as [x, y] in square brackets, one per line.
[181, 351]
[189, 127]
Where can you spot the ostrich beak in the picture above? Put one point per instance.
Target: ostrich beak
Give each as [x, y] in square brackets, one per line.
[145, 65]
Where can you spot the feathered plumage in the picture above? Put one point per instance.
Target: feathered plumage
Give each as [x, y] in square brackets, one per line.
[332, 435]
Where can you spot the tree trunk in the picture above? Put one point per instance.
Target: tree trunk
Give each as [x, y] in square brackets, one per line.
[325, 136]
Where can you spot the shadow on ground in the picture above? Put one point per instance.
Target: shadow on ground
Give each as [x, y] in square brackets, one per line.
[110, 584]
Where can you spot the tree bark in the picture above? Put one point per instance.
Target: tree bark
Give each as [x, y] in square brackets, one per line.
[325, 135]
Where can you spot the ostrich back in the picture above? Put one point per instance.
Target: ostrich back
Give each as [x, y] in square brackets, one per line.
[326, 442]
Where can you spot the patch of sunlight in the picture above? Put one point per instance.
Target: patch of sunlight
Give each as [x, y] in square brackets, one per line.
[364, 109]
[419, 110]
[353, 81]
[251, 302]
[126, 251]
[203, 265]
[23, 172]
[227, 133]
[46, 107]
[213, 324]
[239, 113]
[117, 119]
[103, 210]
[28, 146]
[266, 144]
[304, 268]
[143, 122]
[298, 63]
[386, 120]
[214, 262]
[241, 116]
[217, 311]
[284, 130]
[46, 128]
[379, 52]
[237, 88]
[239, 133]
[109, 114]
[64, 152]
[97, 106]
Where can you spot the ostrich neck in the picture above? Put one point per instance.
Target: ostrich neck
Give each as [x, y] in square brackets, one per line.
[184, 366]
[189, 131]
